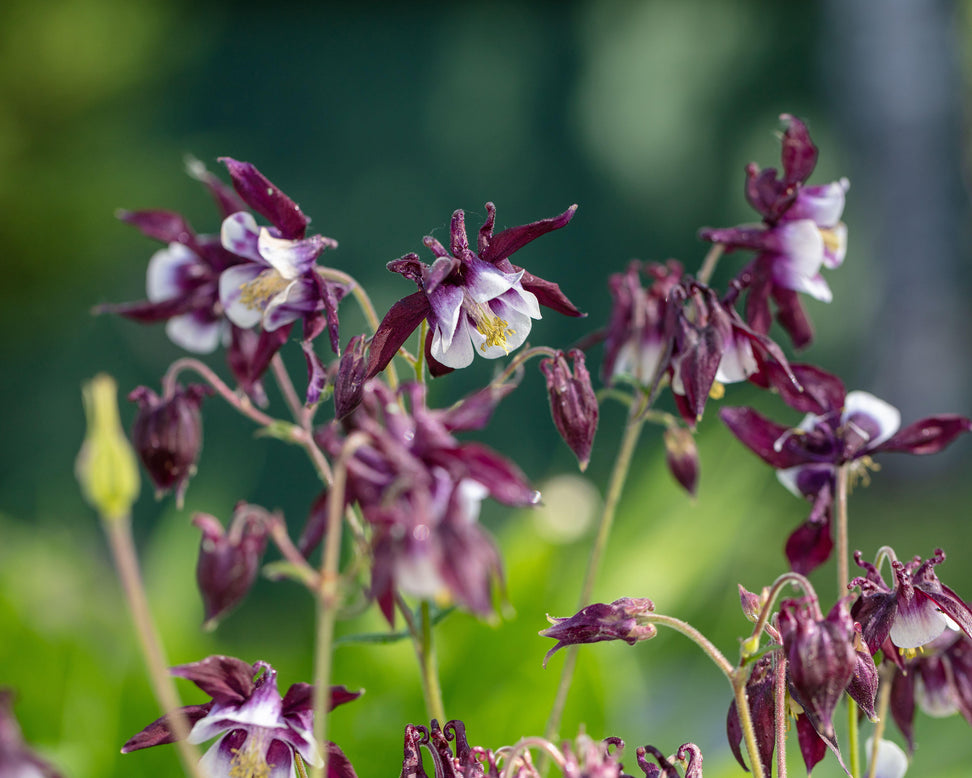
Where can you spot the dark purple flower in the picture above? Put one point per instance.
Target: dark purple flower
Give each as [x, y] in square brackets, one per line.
[350, 379]
[573, 403]
[16, 759]
[682, 457]
[473, 300]
[689, 754]
[839, 428]
[821, 659]
[801, 233]
[167, 433]
[420, 489]
[916, 612]
[462, 761]
[278, 283]
[624, 619]
[229, 561]
[259, 733]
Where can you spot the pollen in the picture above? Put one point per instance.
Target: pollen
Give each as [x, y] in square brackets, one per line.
[859, 472]
[255, 294]
[496, 331]
[717, 391]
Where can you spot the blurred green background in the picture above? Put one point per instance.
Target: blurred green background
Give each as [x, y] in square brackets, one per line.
[381, 119]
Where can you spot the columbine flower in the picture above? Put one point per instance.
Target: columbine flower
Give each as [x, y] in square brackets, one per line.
[167, 433]
[16, 759]
[689, 754]
[800, 234]
[917, 611]
[622, 619]
[183, 278]
[840, 428]
[573, 403]
[474, 301]
[421, 489]
[279, 283]
[258, 732]
[229, 561]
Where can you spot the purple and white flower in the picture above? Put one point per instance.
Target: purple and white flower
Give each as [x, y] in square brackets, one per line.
[474, 301]
[257, 731]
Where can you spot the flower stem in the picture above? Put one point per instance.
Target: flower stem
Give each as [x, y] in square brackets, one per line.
[738, 680]
[779, 699]
[327, 597]
[241, 404]
[843, 578]
[619, 475]
[425, 654]
[286, 386]
[710, 262]
[119, 534]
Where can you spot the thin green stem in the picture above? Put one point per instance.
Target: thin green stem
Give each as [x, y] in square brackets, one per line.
[843, 578]
[619, 475]
[241, 404]
[710, 262]
[282, 377]
[430, 671]
[420, 359]
[119, 534]
[779, 699]
[328, 596]
[738, 681]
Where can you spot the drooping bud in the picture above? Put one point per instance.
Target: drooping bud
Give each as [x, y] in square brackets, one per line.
[350, 380]
[624, 619]
[821, 657]
[229, 561]
[573, 403]
[105, 467]
[167, 434]
[682, 457]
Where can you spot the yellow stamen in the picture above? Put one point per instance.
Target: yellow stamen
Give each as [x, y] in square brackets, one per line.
[495, 329]
[832, 240]
[717, 391]
[250, 761]
[255, 294]
[860, 471]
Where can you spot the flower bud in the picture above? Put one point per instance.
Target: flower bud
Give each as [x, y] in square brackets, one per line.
[167, 434]
[105, 466]
[624, 619]
[682, 457]
[573, 403]
[349, 383]
[228, 561]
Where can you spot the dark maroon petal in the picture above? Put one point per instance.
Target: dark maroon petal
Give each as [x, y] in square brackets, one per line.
[159, 731]
[505, 481]
[682, 457]
[225, 198]
[753, 238]
[316, 374]
[903, 705]
[764, 190]
[875, 611]
[758, 314]
[762, 708]
[927, 436]
[549, 294]
[412, 763]
[573, 403]
[691, 755]
[266, 199]
[469, 564]
[399, 323]
[459, 243]
[760, 435]
[226, 679]
[409, 266]
[166, 226]
[812, 746]
[300, 698]
[863, 686]
[475, 411]
[822, 393]
[147, 312]
[792, 317]
[619, 620]
[504, 244]
[799, 155]
[338, 765]
[809, 546]
[350, 379]
[249, 357]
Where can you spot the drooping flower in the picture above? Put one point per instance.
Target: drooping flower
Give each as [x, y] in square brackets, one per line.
[278, 283]
[800, 234]
[840, 428]
[622, 619]
[17, 760]
[229, 562]
[167, 434]
[473, 300]
[420, 489]
[917, 611]
[573, 403]
[257, 731]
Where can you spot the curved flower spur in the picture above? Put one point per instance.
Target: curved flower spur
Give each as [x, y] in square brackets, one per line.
[473, 301]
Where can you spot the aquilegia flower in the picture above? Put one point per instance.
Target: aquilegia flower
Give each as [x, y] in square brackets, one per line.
[840, 428]
[259, 733]
[474, 301]
[624, 619]
[801, 233]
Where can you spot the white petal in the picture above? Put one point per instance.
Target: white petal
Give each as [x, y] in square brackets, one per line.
[640, 362]
[823, 204]
[737, 363]
[166, 269]
[884, 415]
[517, 326]
[290, 258]
[231, 283]
[803, 245]
[195, 334]
[446, 305]
[523, 301]
[469, 495]
[240, 235]
[918, 624]
[460, 351]
[485, 282]
[891, 760]
[788, 478]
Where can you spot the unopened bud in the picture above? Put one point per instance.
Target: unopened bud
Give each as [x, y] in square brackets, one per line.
[229, 561]
[167, 434]
[573, 403]
[350, 380]
[624, 619]
[682, 457]
[105, 467]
